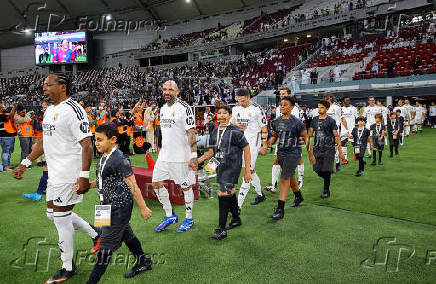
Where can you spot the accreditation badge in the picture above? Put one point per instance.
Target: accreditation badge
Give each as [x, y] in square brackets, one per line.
[357, 150]
[212, 165]
[102, 215]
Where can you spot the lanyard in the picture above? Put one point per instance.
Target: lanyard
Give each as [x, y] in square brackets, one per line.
[100, 180]
[219, 138]
[359, 135]
[378, 129]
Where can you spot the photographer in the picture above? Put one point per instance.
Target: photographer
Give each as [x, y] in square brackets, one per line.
[23, 121]
[8, 132]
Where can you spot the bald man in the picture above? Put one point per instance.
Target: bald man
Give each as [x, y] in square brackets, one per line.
[177, 159]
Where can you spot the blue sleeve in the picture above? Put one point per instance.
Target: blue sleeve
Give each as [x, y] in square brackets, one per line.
[300, 126]
[124, 168]
[238, 138]
[334, 126]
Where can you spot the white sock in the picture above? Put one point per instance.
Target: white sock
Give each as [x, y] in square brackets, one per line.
[164, 199]
[49, 213]
[255, 181]
[189, 202]
[368, 148]
[245, 187]
[64, 225]
[82, 225]
[337, 156]
[345, 152]
[300, 170]
[275, 172]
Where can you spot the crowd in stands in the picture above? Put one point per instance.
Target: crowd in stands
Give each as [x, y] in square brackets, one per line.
[263, 23]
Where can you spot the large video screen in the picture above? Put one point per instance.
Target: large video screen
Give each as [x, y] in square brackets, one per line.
[61, 47]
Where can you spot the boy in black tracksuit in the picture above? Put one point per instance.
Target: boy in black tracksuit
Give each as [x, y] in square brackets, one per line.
[117, 188]
[401, 124]
[361, 137]
[393, 133]
[227, 143]
[378, 141]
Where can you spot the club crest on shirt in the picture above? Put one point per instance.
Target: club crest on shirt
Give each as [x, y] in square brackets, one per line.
[173, 114]
[56, 116]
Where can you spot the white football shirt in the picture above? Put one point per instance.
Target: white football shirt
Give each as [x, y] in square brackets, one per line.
[409, 109]
[419, 112]
[254, 119]
[334, 112]
[402, 109]
[175, 120]
[295, 112]
[350, 114]
[64, 126]
[384, 111]
[369, 112]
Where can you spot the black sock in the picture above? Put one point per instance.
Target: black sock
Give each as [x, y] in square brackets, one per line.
[281, 204]
[135, 248]
[103, 260]
[380, 154]
[234, 207]
[298, 195]
[391, 149]
[374, 156]
[326, 176]
[223, 202]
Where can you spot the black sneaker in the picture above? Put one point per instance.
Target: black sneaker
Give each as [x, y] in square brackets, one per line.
[374, 164]
[358, 174]
[62, 275]
[139, 268]
[278, 214]
[325, 195]
[391, 156]
[220, 234]
[297, 202]
[380, 163]
[259, 199]
[234, 223]
[338, 167]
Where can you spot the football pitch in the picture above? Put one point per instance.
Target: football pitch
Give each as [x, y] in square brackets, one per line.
[379, 228]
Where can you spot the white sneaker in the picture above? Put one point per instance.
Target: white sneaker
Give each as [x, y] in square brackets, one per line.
[300, 184]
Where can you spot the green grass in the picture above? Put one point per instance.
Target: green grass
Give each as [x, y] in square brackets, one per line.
[323, 241]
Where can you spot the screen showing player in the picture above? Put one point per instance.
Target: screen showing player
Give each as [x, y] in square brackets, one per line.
[61, 47]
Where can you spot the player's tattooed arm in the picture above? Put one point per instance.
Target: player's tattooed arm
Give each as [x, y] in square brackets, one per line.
[264, 133]
[338, 142]
[193, 163]
[136, 192]
[206, 156]
[309, 148]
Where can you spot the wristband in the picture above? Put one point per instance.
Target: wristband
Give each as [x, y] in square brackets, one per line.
[194, 155]
[84, 174]
[26, 162]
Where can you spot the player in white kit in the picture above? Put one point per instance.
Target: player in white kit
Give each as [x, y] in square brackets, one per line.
[275, 171]
[369, 113]
[66, 143]
[177, 158]
[250, 118]
[349, 114]
[420, 114]
[385, 112]
[408, 121]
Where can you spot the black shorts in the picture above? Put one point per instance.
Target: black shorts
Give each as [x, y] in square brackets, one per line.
[288, 166]
[113, 236]
[324, 163]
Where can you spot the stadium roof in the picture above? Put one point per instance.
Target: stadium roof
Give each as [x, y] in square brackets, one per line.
[19, 17]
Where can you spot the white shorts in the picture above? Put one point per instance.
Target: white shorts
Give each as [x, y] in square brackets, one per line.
[180, 173]
[344, 136]
[62, 194]
[254, 152]
[419, 120]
